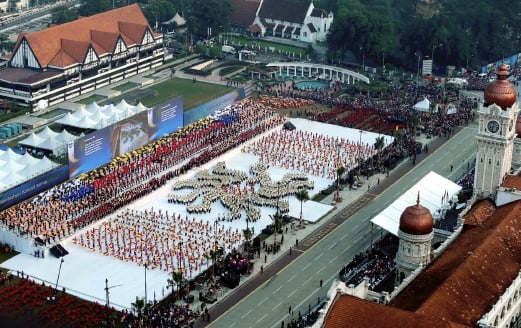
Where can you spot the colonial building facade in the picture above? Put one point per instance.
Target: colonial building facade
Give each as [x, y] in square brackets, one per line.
[289, 19]
[65, 61]
[496, 135]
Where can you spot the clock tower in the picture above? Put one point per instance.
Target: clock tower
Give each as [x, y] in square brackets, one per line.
[496, 134]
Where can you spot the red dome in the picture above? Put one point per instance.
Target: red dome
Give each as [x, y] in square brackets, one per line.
[500, 92]
[416, 220]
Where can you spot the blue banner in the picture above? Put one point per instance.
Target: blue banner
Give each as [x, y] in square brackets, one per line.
[33, 187]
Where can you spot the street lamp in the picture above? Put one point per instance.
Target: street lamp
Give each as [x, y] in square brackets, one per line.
[360, 153]
[107, 288]
[418, 57]
[338, 166]
[276, 217]
[434, 46]
[145, 283]
[363, 59]
[58, 278]
[214, 249]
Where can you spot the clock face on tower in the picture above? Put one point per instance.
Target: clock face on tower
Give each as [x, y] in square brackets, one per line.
[493, 126]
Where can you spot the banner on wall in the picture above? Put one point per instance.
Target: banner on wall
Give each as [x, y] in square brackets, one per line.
[101, 146]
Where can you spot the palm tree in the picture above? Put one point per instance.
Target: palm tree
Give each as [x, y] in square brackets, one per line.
[247, 235]
[302, 195]
[339, 172]
[138, 306]
[379, 145]
[276, 222]
[177, 279]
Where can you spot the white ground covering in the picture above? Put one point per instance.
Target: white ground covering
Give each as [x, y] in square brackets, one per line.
[83, 272]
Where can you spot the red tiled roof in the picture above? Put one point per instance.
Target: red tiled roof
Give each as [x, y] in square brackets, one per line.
[244, 12]
[285, 10]
[47, 44]
[349, 311]
[254, 28]
[462, 284]
[103, 42]
[512, 181]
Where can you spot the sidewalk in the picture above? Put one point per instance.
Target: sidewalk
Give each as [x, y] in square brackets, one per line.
[293, 236]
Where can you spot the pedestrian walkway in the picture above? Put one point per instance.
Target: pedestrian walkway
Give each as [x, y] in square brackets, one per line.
[294, 239]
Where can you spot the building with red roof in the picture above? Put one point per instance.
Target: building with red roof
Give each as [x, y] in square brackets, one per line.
[473, 279]
[67, 60]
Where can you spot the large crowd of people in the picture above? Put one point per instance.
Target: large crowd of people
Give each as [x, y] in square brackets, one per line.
[62, 210]
[309, 152]
[174, 242]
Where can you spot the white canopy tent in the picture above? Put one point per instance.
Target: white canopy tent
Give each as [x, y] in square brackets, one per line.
[435, 192]
[96, 117]
[17, 169]
[49, 140]
[423, 106]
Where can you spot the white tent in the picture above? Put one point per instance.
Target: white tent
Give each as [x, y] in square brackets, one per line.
[97, 117]
[17, 169]
[435, 191]
[49, 140]
[451, 109]
[423, 106]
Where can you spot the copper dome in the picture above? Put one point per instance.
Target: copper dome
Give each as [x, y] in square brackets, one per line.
[500, 92]
[416, 220]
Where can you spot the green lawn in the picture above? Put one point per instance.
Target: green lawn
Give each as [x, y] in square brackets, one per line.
[194, 94]
[263, 44]
[90, 99]
[125, 86]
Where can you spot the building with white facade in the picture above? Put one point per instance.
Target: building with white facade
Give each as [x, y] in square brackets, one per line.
[67, 60]
[473, 278]
[289, 19]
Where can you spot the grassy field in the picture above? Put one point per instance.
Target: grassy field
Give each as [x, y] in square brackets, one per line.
[263, 44]
[194, 94]
[90, 99]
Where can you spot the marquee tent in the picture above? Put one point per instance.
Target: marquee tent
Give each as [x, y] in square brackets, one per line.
[423, 106]
[17, 169]
[435, 192]
[49, 140]
[95, 117]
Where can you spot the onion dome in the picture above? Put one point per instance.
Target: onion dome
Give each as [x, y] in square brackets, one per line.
[416, 219]
[500, 92]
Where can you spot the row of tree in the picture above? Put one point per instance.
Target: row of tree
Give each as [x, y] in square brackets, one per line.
[456, 32]
[380, 32]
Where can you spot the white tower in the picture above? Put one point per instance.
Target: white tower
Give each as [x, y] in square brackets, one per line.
[496, 133]
[415, 234]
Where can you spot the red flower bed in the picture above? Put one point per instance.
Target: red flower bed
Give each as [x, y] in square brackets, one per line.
[31, 302]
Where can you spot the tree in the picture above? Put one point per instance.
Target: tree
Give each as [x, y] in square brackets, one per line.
[379, 145]
[201, 49]
[177, 279]
[247, 236]
[92, 7]
[339, 172]
[302, 195]
[215, 52]
[138, 306]
[206, 17]
[62, 14]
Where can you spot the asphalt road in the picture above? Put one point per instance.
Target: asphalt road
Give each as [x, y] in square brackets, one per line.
[294, 280]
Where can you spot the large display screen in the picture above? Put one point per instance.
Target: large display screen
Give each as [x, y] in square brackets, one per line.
[101, 146]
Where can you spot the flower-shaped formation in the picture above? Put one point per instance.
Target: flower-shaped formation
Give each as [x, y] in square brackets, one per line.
[238, 191]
